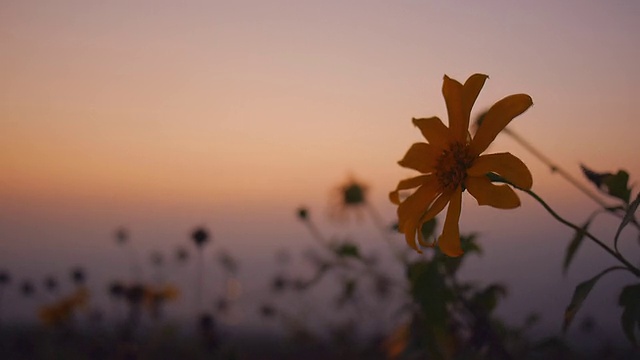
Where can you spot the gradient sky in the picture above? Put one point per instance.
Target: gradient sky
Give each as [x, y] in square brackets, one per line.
[161, 115]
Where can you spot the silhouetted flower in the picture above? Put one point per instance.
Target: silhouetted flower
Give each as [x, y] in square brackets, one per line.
[5, 278]
[27, 288]
[303, 213]
[78, 276]
[116, 289]
[279, 283]
[155, 297]
[182, 255]
[451, 162]
[200, 236]
[122, 235]
[267, 311]
[50, 283]
[61, 311]
[350, 196]
[135, 294]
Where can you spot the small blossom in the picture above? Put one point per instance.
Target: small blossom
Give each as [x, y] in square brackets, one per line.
[200, 236]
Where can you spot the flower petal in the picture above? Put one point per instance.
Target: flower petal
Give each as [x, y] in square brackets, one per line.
[486, 193]
[504, 164]
[436, 133]
[411, 209]
[470, 92]
[452, 91]
[449, 241]
[497, 118]
[434, 210]
[405, 184]
[420, 156]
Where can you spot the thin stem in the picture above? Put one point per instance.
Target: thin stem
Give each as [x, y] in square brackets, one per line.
[555, 215]
[199, 271]
[315, 233]
[555, 168]
[379, 223]
[1, 294]
[573, 181]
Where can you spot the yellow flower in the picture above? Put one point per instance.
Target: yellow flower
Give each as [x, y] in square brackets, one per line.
[451, 162]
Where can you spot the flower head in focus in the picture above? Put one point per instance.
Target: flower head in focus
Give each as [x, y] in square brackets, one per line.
[451, 162]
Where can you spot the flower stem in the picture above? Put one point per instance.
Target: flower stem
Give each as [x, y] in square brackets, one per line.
[554, 168]
[199, 271]
[379, 223]
[557, 169]
[555, 215]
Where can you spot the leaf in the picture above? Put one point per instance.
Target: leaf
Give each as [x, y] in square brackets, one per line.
[631, 210]
[347, 250]
[579, 295]
[429, 290]
[574, 245]
[428, 228]
[630, 318]
[488, 298]
[596, 178]
[468, 245]
[617, 186]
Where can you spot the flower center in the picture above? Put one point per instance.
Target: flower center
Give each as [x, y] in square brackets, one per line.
[452, 165]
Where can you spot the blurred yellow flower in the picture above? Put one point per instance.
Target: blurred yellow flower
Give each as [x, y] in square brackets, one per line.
[451, 162]
[62, 311]
[351, 196]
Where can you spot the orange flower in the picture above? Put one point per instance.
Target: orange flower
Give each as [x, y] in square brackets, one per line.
[451, 162]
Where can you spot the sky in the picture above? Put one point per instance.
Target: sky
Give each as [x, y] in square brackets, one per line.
[162, 115]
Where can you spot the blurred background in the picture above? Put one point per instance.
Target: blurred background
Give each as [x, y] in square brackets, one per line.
[161, 116]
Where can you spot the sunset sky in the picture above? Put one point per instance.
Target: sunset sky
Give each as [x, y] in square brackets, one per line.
[161, 115]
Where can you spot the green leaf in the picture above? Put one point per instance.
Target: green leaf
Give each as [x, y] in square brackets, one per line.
[630, 319]
[617, 185]
[596, 178]
[574, 245]
[579, 295]
[631, 210]
[487, 299]
[347, 250]
[468, 245]
[430, 291]
[428, 228]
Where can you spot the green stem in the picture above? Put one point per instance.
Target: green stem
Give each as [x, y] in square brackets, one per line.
[555, 215]
[554, 168]
[563, 173]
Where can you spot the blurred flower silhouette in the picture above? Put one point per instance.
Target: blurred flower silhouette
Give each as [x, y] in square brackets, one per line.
[61, 311]
[122, 235]
[451, 162]
[117, 289]
[348, 197]
[51, 284]
[182, 255]
[78, 276]
[155, 297]
[27, 289]
[200, 236]
[303, 213]
[5, 278]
